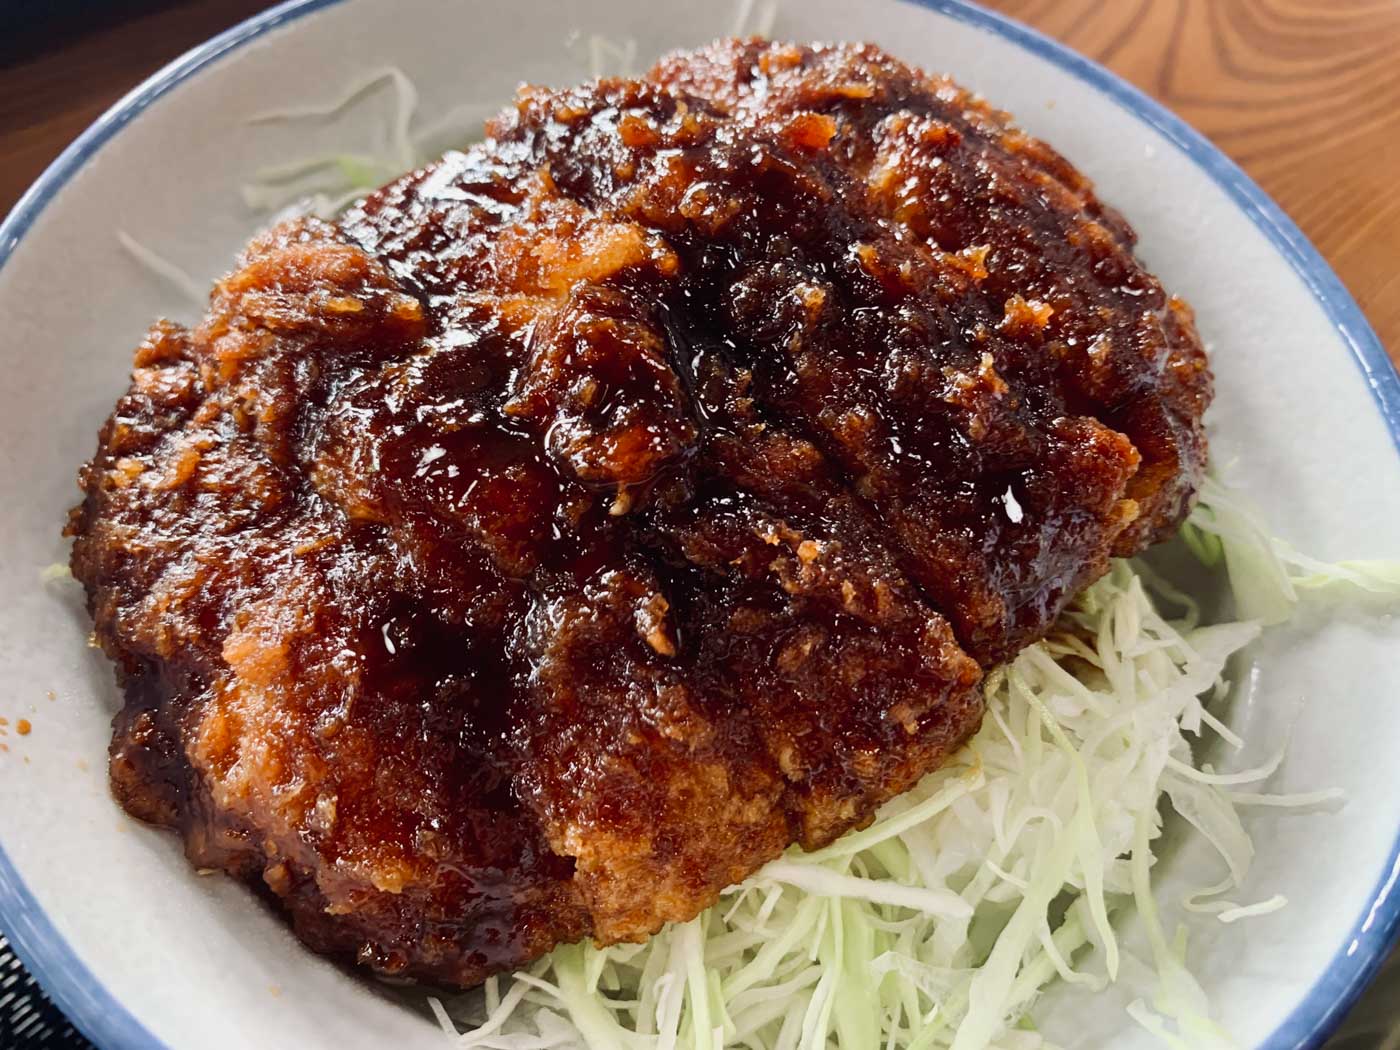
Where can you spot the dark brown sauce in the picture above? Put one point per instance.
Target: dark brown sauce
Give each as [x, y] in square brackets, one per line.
[588, 516]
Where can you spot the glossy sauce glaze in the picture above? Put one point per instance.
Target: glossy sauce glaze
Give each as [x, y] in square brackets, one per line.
[586, 517]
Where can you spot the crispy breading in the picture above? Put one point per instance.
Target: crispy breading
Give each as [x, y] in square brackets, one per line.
[585, 518]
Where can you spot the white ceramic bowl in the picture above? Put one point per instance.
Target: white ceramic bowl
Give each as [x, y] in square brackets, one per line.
[142, 954]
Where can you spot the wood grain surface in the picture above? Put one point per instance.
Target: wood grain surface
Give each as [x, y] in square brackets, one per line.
[1304, 94]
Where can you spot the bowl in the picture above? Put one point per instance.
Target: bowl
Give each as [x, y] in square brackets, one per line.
[141, 953]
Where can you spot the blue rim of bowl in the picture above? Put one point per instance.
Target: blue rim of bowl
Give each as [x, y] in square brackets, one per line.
[105, 1021]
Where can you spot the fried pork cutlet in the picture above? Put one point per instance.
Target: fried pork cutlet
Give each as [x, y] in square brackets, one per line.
[583, 519]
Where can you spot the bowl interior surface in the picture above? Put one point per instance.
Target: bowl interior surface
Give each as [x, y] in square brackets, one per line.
[196, 961]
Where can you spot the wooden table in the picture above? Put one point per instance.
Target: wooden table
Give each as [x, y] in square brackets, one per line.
[1304, 94]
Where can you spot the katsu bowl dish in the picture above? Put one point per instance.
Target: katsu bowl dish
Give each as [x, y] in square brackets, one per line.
[726, 553]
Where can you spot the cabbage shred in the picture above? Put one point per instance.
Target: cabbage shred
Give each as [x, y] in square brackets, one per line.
[1011, 867]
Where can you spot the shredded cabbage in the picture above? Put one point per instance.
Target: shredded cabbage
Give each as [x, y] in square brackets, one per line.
[1267, 573]
[55, 572]
[753, 18]
[325, 183]
[175, 276]
[940, 924]
[328, 182]
[604, 57]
